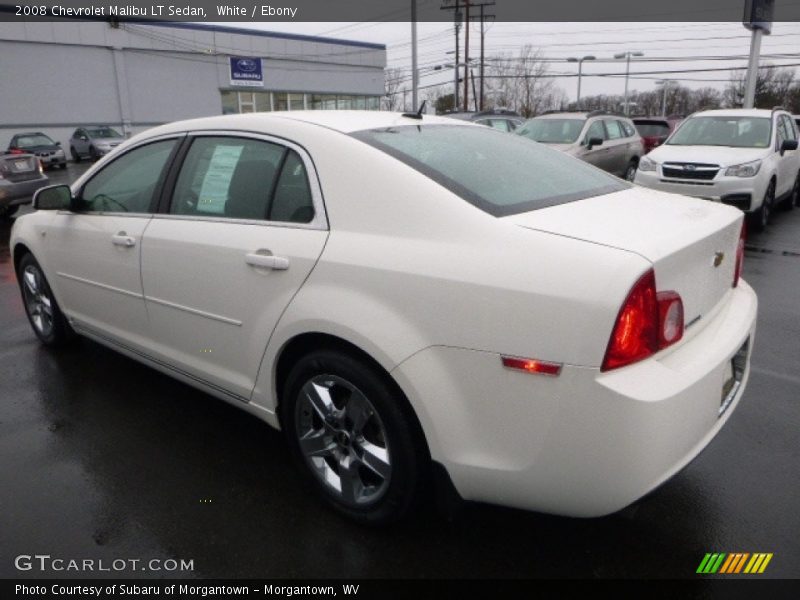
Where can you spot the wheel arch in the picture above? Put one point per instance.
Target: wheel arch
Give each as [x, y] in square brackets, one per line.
[301, 344]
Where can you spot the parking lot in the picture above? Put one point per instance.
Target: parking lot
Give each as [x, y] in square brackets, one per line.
[104, 458]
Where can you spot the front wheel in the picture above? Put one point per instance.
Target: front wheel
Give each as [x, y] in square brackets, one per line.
[354, 436]
[760, 218]
[794, 199]
[74, 154]
[48, 322]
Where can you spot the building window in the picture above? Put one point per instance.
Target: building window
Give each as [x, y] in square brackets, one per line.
[234, 101]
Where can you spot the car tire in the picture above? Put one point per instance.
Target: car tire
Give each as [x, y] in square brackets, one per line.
[760, 218]
[630, 171]
[342, 416]
[8, 211]
[74, 154]
[45, 316]
[794, 197]
[93, 156]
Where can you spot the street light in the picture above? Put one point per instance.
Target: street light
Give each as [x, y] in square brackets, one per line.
[580, 66]
[627, 55]
[665, 83]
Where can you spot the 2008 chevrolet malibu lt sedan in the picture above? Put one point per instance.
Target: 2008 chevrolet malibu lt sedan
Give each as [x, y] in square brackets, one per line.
[419, 304]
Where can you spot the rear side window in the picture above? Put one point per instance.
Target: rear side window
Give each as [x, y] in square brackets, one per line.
[627, 128]
[500, 174]
[240, 178]
[614, 130]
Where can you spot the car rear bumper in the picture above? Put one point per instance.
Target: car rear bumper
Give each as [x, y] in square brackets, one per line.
[13, 193]
[743, 193]
[584, 443]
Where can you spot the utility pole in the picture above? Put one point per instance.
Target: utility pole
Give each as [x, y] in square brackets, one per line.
[627, 56]
[414, 72]
[454, 6]
[483, 16]
[758, 19]
[466, 56]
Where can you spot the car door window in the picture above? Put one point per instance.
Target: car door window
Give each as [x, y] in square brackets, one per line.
[789, 128]
[614, 130]
[240, 178]
[129, 183]
[292, 201]
[596, 130]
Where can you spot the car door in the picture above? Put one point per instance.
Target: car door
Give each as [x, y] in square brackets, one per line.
[243, 229]
[788, 163]
[94, 253]
[616, 147]
[597, 155]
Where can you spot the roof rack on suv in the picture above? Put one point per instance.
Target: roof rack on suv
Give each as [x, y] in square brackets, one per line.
[777, 108]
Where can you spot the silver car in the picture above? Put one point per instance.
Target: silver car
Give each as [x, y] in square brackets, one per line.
[606, 140]
[93, 142]
[21, 174]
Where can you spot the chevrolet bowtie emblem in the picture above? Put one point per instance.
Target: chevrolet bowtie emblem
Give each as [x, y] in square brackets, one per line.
[718, 258]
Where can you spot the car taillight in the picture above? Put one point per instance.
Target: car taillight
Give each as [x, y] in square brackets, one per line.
[737, 272]
[647, 322]
[16, 151]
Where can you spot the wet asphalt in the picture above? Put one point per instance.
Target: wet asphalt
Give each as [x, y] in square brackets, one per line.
[103, 458]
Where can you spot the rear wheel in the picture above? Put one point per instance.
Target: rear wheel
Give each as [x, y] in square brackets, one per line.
[354, 437]
[760, 218]
[48, 322]
[630, 172]
[8, 211]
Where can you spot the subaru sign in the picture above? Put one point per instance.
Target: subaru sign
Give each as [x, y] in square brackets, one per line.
[246, 71]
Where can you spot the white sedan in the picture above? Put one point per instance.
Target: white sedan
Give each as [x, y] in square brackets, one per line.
[419, 304]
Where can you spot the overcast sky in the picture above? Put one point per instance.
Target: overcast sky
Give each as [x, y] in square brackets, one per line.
[667, 47]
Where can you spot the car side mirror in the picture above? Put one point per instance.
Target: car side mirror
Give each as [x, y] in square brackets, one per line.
[58, 143]
[53, 197]
[788, 145]
[595, 141]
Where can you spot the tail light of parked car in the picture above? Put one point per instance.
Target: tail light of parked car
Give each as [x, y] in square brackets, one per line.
[16, 151]
[648, 321]
[737, 272]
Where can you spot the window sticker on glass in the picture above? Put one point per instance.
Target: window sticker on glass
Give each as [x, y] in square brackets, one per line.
[214, 191]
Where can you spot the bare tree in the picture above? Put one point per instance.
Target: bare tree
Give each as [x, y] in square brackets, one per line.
[393, 95]
[520, 82]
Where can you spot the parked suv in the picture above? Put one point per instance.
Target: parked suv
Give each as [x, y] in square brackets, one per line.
[606, 140]
[93, 142]
[499, 118]
[744, 157]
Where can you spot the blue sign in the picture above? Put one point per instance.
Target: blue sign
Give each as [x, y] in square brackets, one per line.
[246, 70]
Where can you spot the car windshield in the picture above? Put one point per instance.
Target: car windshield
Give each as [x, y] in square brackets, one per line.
[500, 174]
[652, 129]
[736, 132]
[552, 131]
[33, 140]
[103, 132]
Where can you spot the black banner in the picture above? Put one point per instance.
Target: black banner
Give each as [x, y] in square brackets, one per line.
[385, 10]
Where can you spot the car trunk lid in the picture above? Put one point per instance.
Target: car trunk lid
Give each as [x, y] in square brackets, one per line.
[19, 167]
[691, 243]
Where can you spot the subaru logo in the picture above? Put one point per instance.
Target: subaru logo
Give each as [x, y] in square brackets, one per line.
[246, 64]
[718, 258]
[689, 167]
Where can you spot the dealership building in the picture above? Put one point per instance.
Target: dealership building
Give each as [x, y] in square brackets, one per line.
[58, 76]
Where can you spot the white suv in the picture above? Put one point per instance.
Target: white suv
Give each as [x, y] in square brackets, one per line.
[747, 158]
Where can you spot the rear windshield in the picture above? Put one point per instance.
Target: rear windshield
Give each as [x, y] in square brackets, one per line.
[499, 173]
[736, 132]
[552, 131]
[652, 129]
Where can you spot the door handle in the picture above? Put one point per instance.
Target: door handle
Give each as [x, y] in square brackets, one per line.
[261, 258]
[123, 239]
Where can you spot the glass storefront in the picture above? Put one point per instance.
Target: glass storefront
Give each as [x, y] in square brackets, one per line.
[235, 101]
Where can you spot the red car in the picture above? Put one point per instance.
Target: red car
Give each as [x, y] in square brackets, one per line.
[655, 130]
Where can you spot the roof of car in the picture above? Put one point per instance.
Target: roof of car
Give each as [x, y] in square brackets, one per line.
[345, 121]
[735, 112]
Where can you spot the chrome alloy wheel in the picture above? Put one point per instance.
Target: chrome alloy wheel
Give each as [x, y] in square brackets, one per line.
[343, 440]
[38, 302]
